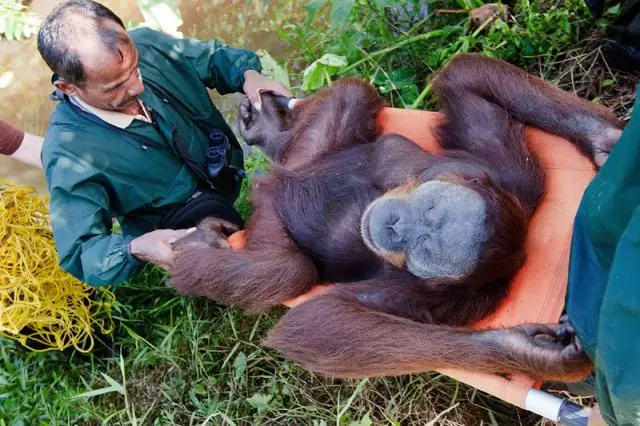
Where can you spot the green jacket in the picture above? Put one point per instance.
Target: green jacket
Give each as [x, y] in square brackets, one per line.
[96, 171]
[603, 297]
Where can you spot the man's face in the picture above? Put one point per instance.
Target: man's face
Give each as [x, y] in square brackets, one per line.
[112, 79]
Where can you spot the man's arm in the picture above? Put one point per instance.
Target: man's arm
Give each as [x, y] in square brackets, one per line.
[82, 227]
[29, 150]
[20, 145]
[224, 68]
[218, 65]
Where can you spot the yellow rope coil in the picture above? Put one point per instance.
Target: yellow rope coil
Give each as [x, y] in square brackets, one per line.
[39, 302]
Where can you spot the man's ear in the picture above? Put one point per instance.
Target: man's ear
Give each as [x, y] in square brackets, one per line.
[66, 87]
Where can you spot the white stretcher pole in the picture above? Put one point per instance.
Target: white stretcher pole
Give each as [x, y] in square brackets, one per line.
[557, 409]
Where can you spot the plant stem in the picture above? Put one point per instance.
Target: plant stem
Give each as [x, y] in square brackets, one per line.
[427, 88]
[452, 11]
[384, 51]
[421, 97]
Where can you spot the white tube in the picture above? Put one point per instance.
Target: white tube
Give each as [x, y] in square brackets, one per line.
[556, 409]
[543, 404]
[292, 102]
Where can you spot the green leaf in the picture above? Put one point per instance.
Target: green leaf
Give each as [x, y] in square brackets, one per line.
[527, 48]
[271, 69]
[260, 402]
[193, 397]
[97, 392]
[340, 12]
[394, 80]
[114, 384]
[613, 10]
[465, 45]
[366, 421]
[313, 77]
[331, 60]
[409, 94]
[240, 365]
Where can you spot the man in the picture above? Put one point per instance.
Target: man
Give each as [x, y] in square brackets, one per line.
[603, 295]
[130, 135]
[20, 145]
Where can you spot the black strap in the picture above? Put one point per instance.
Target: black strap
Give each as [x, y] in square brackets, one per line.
[167, 96]
[179, 149]
[179, 145]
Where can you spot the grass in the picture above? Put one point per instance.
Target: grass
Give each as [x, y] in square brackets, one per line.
[176, 360]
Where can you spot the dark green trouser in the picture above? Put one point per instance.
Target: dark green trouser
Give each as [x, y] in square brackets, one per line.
[603, 299]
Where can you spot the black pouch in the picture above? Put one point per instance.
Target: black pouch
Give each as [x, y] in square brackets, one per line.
[203, 203]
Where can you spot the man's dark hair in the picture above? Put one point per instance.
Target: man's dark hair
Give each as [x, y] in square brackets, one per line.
[58, 36]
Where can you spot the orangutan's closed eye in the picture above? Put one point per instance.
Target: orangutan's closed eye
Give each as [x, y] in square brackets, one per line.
[439, 229]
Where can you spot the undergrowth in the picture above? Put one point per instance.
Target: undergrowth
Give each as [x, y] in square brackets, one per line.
[175, 360]
[399, 45]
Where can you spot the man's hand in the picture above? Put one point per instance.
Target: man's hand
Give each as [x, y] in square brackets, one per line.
[155, 246]
[254, 83]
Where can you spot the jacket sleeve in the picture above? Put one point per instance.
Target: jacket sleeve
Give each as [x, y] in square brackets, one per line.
[10, 138]
[82, 226]
[218, 65]
[617, 371]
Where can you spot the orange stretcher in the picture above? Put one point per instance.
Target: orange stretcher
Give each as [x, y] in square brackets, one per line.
[537, 293]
